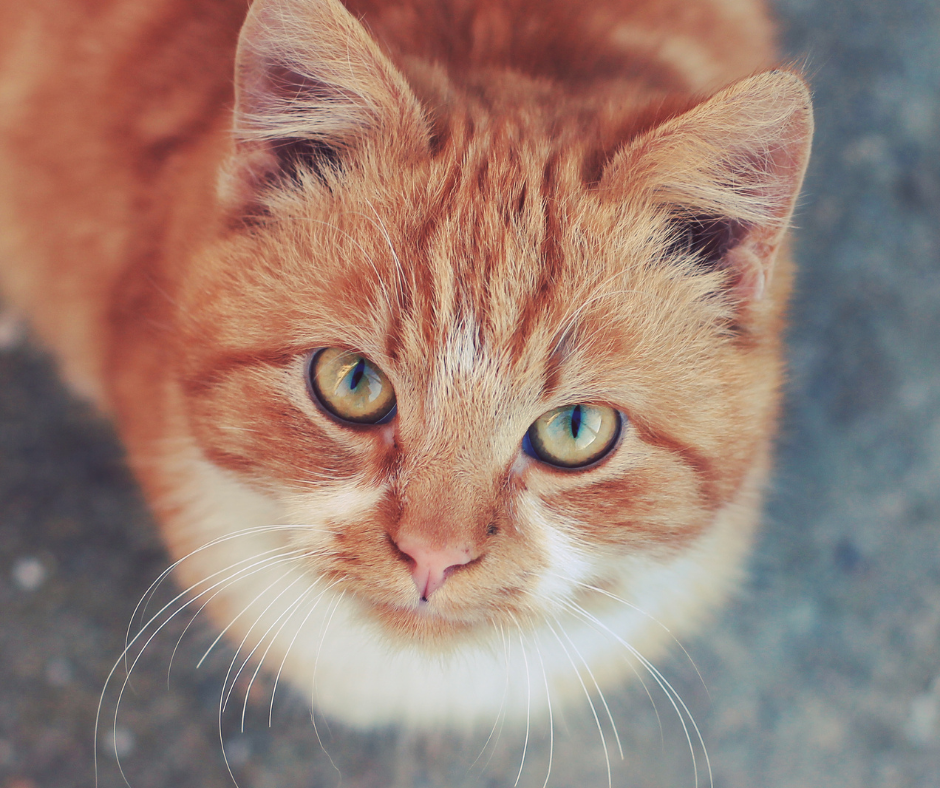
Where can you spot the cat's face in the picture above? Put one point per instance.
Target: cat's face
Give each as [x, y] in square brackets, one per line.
[502, 276]
[489, 284]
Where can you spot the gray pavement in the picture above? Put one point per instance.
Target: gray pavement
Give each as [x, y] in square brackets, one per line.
[824, 672]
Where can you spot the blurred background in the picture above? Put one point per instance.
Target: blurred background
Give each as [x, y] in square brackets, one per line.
[825, 671]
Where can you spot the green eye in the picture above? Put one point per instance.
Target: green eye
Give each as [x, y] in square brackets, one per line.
[351, 387]
[573, 436]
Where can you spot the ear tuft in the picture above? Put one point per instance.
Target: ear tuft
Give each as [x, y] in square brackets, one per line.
[706, 239]
[294, 157]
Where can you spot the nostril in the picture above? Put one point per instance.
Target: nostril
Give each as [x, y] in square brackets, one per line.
[431, 566]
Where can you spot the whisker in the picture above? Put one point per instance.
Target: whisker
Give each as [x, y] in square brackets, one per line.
[228, 766]
[316, 603]
[655, 620]
[253, 531]
[144, 601]
[316, 664]
[662, 737]
[662, 626]
[597, 686]
[222, 585]
[551, 720]
[673, 697]
[271, 561]
[500, 715]
[292, 609]
[223, 696]
[292, 555]
[248, 634]
[179, 642]
[528, 703]
[587, 695]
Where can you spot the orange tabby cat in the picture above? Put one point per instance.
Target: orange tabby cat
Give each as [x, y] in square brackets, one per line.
[447, 347]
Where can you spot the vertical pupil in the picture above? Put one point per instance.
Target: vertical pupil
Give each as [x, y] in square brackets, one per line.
[357, 373]
[575, 421]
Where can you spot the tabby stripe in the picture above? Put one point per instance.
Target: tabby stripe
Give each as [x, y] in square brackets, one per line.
[703, 468]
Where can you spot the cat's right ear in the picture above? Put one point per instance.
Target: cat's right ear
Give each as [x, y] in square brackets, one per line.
[311, 86]
[727, 174]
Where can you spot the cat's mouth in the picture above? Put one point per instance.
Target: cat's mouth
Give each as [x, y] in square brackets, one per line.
[426, 622]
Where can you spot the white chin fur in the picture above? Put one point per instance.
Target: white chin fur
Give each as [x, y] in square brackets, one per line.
[341, 661]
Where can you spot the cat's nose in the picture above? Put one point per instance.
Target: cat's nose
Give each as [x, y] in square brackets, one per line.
[432, 565]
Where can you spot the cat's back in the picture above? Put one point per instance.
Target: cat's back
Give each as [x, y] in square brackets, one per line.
[127, 76]
[98, 100]
[675, 44]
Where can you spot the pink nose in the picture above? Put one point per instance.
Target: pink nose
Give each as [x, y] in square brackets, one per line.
[432, 565]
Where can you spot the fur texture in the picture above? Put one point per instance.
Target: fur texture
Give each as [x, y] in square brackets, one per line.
[508, 206]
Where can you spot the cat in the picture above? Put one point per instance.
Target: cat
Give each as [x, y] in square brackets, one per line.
[444, 336]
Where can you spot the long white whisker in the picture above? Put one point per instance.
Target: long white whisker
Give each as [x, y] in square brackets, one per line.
[271, 603]
[500, 715]
[287, 615]
[152, 589]
[277, 678]
[662, 737]
[662, 626]
[316, 664]
[652, 618]
[674, 698]
[223, 697]
[528, 701]
[551, 720]
[222, 585]
[273, 561]
[231, 623]
[587, 695]
[141, 634]
[597, 686]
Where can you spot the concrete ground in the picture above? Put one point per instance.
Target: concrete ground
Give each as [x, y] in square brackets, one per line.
[824, 672]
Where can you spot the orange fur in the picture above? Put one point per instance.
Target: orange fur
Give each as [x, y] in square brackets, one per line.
[507, 205]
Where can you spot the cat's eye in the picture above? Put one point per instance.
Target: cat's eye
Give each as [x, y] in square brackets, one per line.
[351, 387]
[573, 436]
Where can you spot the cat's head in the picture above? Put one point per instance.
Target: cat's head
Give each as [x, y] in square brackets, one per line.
[495, 343]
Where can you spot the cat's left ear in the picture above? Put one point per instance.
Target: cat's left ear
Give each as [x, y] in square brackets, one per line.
[727, 172]
[311, 86]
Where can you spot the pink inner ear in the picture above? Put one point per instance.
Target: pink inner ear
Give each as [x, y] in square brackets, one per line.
[752, 271]
[726, 244]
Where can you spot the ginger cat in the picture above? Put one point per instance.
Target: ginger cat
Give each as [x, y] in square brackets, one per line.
[444, 335]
